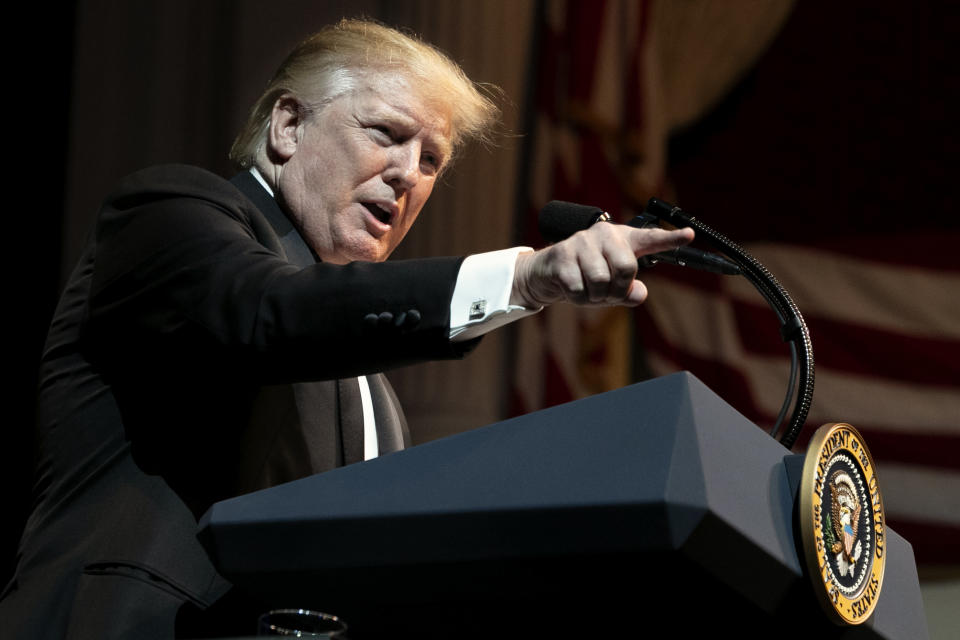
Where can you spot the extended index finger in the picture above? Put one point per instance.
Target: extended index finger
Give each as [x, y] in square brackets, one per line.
[647, 241]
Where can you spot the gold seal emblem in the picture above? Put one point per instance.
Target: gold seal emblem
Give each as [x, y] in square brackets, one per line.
[842, 523]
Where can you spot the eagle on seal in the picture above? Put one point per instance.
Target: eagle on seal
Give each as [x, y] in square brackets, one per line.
[845, 513]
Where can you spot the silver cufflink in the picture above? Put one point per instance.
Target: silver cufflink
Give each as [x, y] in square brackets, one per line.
[478, 309]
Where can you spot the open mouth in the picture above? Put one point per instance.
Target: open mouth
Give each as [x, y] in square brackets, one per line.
[383, 215]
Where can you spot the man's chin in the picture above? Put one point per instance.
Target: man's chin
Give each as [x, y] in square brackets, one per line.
[365, 252]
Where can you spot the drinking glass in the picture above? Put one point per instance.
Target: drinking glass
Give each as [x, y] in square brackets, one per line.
[301, 623]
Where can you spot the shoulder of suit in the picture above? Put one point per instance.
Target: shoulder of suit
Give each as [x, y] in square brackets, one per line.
[166, 181]
[180, 192]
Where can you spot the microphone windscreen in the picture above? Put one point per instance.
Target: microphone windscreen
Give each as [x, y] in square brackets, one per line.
[560, 220]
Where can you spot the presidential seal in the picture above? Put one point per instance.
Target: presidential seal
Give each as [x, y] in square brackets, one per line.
[842, 523]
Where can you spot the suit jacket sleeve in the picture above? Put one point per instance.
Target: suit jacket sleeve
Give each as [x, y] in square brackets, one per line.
[189, 271]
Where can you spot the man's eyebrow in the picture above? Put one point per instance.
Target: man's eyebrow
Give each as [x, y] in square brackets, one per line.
[442, 145]
[392, 115]
[408, 119]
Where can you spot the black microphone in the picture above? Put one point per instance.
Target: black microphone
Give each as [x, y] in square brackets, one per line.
[560, 220]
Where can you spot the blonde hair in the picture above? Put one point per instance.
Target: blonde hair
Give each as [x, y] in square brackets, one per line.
[329, 64]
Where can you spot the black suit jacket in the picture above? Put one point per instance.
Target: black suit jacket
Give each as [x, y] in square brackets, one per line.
[197, 353]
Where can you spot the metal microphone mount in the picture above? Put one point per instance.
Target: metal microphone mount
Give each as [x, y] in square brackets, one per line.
[793, 329]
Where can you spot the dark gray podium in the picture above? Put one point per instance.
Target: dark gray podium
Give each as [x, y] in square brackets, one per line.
[657, 504]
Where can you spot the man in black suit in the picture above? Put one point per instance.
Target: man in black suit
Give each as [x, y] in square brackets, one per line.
[207, 343]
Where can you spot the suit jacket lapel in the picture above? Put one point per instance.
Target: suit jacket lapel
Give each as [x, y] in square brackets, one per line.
[296, 249]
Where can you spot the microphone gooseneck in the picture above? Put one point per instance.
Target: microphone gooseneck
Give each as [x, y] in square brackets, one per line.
[793, 329]
[560, 220]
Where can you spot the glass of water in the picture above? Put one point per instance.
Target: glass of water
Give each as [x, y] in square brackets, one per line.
[301, 623]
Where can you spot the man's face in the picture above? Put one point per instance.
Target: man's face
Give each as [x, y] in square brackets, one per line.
[362, 169]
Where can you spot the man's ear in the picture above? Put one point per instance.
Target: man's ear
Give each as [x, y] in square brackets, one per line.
[286, 125]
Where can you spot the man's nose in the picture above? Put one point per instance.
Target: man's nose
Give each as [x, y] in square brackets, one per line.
[404, 170]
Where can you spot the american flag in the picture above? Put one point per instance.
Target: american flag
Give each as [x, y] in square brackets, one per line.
[824, 167]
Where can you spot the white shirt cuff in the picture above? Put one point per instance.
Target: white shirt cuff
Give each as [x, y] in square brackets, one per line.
[481, 297]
